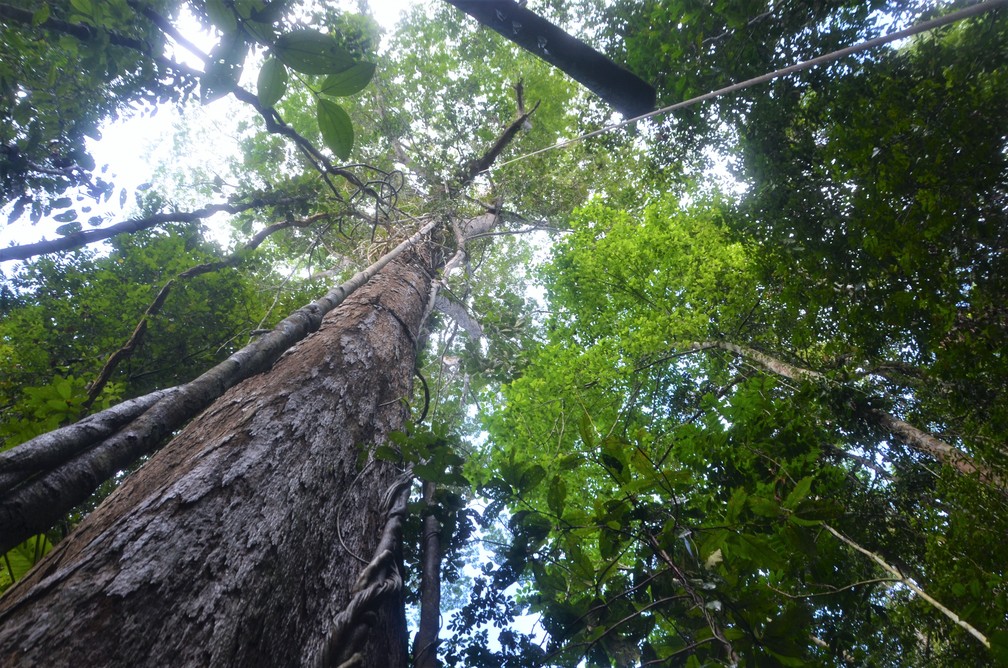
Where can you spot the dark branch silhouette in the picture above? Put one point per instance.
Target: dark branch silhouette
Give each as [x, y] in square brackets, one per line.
[83, 238]
[621, 89]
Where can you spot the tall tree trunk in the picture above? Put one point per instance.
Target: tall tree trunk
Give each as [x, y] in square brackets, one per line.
[425, 643]
[238, 544]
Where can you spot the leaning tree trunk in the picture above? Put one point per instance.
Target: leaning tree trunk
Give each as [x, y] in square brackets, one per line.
[238, 544]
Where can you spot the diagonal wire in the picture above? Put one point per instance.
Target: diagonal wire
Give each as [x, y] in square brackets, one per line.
[924, 26]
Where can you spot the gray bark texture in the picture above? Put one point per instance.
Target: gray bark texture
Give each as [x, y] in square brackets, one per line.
[239, 542]
[32, 499]
[425, 644]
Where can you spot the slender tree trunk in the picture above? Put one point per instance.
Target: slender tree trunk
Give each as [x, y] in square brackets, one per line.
[238, 543]
[426, 642]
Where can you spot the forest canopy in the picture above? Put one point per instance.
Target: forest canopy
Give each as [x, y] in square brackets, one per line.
[722, 386]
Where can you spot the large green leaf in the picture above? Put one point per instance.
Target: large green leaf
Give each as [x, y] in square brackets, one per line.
[351, 80]
[336, 128]
[68, 229]
[800, 491]
[221, 15]
[272, 82]
[20, 559]
[556, 496]
[312, 52]
[223, 69]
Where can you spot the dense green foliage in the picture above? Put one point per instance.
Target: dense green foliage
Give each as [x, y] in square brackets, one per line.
[55, 90]
[866, 253]
[758, 427]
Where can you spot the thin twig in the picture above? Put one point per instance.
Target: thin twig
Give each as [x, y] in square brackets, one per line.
[913, 586]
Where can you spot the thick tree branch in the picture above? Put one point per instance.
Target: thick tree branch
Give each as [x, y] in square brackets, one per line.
[83, 238]
[916, 438]
[913, 586]
[618, 87]
[45, 452]
[484, 162]
[426, 641]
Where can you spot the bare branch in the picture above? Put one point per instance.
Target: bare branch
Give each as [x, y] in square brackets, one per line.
[83, 238]
[913, 586]
[916, 438]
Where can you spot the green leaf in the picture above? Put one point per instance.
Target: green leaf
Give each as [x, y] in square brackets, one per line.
[713, 541]
[250, 9]
[557, 495]
[587, 432]
[41, 15]
[759, 550]
[66, 216]
[817, 509]
[351, 80]
[550, 582]
[614, 457]
[311, 52]
[800, 491]
[735, 505]
[999, 645]
[68, 229]
[215, 83]
[569, 462]
[387, 453]
[221, 15]
[764, 507]
[531, 477]
[83, 6]
[272, 82]
[577, 559]
[223, 69]
[64, 388]
[22, 557]
[258, 18]
[336, 128]
[609, 543]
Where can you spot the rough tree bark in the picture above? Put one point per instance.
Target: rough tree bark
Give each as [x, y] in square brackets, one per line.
[238, 543]
[425, 644]
[51, 474]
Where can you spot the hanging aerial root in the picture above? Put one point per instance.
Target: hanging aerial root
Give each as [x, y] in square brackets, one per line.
[380, 578]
